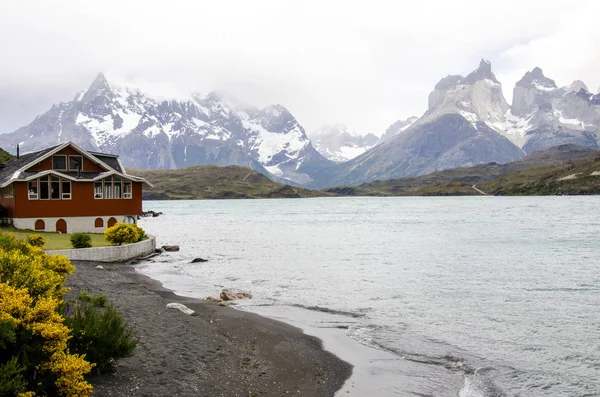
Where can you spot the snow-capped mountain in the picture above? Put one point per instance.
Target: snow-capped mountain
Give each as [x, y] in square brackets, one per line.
[544, 115]
[338, 144]
[151, 133]
[469, 121]
[398, 127]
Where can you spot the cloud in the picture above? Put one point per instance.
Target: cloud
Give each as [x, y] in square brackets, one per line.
[365, 64]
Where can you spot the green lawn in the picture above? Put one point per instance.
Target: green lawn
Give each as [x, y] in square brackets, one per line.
[55, 241]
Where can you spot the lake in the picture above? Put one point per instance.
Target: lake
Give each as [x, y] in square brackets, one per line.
[472, 296]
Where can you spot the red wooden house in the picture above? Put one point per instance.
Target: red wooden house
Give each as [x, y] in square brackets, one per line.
[67, 189]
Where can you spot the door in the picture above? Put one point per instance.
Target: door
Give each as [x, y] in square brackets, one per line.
[61, 226]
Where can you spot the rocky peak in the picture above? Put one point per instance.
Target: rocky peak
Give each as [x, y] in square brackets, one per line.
[337, 143]
[577, 86]
[534, 92]
[276, 118]
[483, 72]
[448, 82]
[477, 97]
[536, 79]
[398, 127]
[98, 87]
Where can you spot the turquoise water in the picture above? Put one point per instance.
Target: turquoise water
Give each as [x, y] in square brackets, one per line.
[490, 296]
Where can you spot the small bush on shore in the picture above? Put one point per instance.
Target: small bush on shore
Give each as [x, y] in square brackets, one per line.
[99, 331]
[36, 240]
[124, 233]
[34, 356]
[81, 240]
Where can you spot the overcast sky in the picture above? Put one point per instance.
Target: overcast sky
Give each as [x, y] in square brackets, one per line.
[362, 63]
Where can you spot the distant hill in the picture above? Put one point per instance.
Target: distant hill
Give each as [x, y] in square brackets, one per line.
[213, 182]
[5, 156]
[573, 177]
[497, 178]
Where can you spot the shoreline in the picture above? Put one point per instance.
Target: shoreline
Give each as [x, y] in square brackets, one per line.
[217, 352]
[375, 371]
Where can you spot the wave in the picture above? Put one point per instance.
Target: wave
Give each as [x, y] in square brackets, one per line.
[480, 386]
[329, 310]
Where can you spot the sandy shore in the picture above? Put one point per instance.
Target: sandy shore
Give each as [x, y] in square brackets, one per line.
[219, 352]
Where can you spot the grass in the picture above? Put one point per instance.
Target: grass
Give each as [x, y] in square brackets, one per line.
[55, 241]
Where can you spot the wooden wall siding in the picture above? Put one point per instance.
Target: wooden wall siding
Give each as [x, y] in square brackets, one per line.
[88, 165]
[82, 203]
[9, 203]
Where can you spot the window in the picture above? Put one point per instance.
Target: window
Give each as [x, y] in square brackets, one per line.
[98, 190]
[98, 222]
[8, 192]
[75, 163]
[66, 189]
[40, 225]
[108, 188]
[32, 187]
[44, 188]
[55, 188]
[127, 190]
[117, 187]
[59, 162]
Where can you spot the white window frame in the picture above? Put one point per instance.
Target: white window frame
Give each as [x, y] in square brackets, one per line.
[108, 192]
[59, 187]
[69, 162]
[63, 195]
[66, 162]
[48, 182]
[101, 190]
[127, 195]
[29, 192]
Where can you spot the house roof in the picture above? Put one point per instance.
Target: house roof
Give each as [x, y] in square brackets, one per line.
[15, 169]
[111, 160]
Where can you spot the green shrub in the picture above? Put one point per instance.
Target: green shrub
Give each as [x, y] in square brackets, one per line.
[97, 300]
[36, 240]
[12, 381]
[122, 233]
[99, 331]
[81, 240]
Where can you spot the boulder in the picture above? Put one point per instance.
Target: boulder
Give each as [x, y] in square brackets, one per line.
[228, 295]
[212, 299]
[199, 260]
[151, 213]
[181, 308]
[170, 248]
[226, 303]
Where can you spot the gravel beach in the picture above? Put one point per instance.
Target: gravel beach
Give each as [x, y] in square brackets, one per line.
[219, 351]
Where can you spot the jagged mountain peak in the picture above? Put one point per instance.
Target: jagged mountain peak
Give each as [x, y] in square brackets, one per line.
[577, 86]
[100, 86]
[398, 127]
[477, 97]
[338, 143]
[536, 79]
[448, 82]
[483, 72]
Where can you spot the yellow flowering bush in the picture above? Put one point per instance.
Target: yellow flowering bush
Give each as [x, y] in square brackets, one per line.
[34, 357]
[37, 240]
[123, 233]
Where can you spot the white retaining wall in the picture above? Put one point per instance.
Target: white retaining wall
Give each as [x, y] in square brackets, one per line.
[75, 224]
[115, 253]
